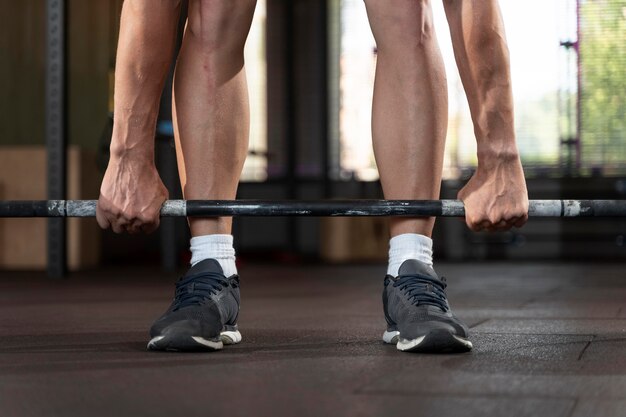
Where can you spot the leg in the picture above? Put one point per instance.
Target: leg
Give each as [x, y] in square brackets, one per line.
[211, 119]
[410, 108]
[409, 128]
[211, 111]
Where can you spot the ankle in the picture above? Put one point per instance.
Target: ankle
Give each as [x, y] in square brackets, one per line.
[409, 246]
[218, 247]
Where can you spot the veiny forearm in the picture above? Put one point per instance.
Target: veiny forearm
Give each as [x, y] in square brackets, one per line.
[482, 56]
[146, 42]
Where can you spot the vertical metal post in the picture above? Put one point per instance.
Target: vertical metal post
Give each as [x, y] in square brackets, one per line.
[325, 98]
[56, 118]
[579, 82]
[291, 113]
[333, 91]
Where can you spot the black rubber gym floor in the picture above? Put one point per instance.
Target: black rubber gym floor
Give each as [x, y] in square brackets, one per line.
[549, 340]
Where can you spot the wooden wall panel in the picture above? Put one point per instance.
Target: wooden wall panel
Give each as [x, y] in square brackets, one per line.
[22, 177]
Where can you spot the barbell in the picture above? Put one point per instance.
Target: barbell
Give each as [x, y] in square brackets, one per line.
[406, 208]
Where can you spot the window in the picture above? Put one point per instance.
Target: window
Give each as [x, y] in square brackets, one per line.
[603, 86]
[357, 64]
[255, 167]
[544, 67]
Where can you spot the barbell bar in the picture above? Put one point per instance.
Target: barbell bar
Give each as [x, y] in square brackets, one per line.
[406, 208]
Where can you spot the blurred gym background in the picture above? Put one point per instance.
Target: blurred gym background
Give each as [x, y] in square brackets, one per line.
[311, 69]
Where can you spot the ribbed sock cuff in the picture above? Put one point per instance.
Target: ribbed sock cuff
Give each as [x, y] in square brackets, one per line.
[218, 247]
[409, 246]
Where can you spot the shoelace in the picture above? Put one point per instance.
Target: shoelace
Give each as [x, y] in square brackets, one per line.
[422, 289]
[197, 288]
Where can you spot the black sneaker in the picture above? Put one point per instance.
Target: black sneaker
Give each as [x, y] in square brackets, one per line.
[203, 315]
[417, 312]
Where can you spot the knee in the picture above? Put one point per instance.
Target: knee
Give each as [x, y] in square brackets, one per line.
[415, 24]
[408, 24]
[220, 24]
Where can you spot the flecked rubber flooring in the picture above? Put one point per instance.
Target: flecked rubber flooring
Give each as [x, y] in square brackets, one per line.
[549, 340]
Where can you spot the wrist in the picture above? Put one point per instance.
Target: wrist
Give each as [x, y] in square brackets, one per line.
[489, 155]
[133, 139]
[135, 153]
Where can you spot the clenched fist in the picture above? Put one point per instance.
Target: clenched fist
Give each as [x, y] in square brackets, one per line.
[496, 197]
[131, 196]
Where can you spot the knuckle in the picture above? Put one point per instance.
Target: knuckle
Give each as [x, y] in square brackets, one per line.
[143, 218]
[474, 226]
[494, 218]
[115, 211]
[148, 217]
[508, 215]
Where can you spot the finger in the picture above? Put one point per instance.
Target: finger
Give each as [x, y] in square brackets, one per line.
[492, 228]
[103, 222]
[502, 225]
[150, 221]
[477, 226]
[521, 221]
[134, 227]
[512, 221]
[507, 224]
[471, 224]
[494, 219]
[118, 225]
[486, 225]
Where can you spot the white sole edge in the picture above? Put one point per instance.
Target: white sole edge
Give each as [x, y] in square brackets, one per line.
[388, 337]
[465, 342]
[231, 338]
[404, 344]
[200, 340]
[208, 343]
[154, 340]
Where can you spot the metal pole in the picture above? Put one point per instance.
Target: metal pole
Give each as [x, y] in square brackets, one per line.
[291, 114]
[579, 88]
[56, 122]
[256, 208]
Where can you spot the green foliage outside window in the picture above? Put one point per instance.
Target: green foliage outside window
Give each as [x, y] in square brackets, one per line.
[603, 87]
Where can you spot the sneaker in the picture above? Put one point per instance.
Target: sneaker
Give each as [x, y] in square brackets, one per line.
[203, 315]
[417, 312]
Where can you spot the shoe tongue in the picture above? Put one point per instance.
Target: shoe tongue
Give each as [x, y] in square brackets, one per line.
[208, 265]
[413, 266]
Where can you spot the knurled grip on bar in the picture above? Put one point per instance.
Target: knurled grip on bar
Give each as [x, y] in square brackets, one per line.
[406, 208]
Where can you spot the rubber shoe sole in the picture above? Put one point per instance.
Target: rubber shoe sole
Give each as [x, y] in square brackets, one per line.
[436, 341]
[186, 343]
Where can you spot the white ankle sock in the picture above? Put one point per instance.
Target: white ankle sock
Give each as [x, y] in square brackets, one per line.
[409, 246]
[218, 247]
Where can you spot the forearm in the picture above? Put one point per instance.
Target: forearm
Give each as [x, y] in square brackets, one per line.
[146, 42]
[482, 57]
